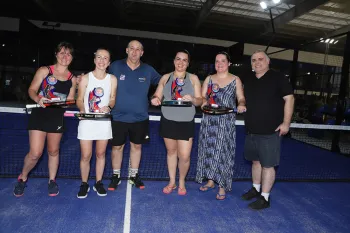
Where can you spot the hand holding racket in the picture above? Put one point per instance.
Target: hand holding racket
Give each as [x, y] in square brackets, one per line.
[41, 102]
[105, 109]
[155, 101]
[187, 98]
[241, 109]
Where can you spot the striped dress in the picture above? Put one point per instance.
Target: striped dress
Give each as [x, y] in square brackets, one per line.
[217, 141]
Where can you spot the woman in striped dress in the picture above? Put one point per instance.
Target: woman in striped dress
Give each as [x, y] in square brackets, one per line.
[217, 136]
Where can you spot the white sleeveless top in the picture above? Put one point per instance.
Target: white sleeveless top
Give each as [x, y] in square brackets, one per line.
[97, 95]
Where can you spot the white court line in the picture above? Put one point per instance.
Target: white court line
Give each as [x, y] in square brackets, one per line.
[127, 215]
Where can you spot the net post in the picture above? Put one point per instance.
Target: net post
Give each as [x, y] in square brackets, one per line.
[344, 84]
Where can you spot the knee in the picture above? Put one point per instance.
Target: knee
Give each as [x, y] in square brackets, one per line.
[268, 168]
[34, 155]
[118, 148]
[256, 163]
[171, 151]
[136, 147]
[85, 157]
[100, 154]
[53, 153]
[184, 158]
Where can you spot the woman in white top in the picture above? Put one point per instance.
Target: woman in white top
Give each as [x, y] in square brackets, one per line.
[96, 94]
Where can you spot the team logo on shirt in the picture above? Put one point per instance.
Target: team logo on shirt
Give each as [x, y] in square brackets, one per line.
[95, 98]
[51, 80]
[122, 77]
[215, 88]
[142, 79]
[98, 91]
[180, 81]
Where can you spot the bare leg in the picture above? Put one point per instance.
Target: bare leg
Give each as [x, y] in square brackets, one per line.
[117, 156]
[53, 149]
[37, 143]
[101, 146]
[135, 155]
[184, 152]
[268, 179]
[86, 153]
[171, 146]
[256, 172]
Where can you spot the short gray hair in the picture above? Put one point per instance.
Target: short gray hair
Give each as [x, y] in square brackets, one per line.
[135, 41]
[260, 51]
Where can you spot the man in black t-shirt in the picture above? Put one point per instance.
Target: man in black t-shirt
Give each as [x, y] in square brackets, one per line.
[270, 103]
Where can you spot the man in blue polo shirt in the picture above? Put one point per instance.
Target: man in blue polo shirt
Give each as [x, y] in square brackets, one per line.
[130, 114]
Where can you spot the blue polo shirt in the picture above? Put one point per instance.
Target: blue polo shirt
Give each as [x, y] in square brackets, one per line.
[132, 90]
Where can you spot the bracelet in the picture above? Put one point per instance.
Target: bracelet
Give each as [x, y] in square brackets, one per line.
[155, 97]
[110, 109]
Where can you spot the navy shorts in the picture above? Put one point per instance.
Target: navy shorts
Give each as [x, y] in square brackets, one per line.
[263, 148]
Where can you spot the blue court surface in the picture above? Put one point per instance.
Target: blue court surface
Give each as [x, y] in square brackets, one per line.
[304, 205]
[295, 207]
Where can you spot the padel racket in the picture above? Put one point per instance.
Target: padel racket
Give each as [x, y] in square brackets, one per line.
[177, 103]
[52, 104]
[93, 116]
[217, 110]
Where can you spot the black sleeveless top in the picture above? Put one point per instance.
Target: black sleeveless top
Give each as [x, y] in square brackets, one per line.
[52, 88]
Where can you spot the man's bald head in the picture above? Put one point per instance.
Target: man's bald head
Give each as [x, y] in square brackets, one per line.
[135, 44]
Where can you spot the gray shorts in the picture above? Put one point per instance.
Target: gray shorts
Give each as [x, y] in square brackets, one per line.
[263, 148]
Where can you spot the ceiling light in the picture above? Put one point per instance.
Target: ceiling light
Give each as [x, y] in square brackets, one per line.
[263, 5]
[336, 41]
[276, 1]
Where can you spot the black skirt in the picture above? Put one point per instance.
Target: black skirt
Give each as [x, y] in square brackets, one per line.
[176, 130]
[50, 120]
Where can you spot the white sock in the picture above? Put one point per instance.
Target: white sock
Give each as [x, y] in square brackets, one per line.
[116, 172]
[133, 172]
[266, 196]
[257, 187]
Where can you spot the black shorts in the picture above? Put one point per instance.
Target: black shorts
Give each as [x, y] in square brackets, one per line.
[49, 120]
[263, 148]
[176, 130]
[138, 132]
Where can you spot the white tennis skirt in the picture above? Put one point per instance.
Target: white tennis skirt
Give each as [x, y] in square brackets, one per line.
[95, 129]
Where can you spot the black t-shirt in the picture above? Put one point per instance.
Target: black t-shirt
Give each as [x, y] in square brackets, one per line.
[264, 101]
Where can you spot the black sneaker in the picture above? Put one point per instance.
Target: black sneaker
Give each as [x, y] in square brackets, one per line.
[137, 182]
[84, 189]
[260, 204]
[98, 187]
[115, 181]
[19, 188]
[53, 188]
[252, 193]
